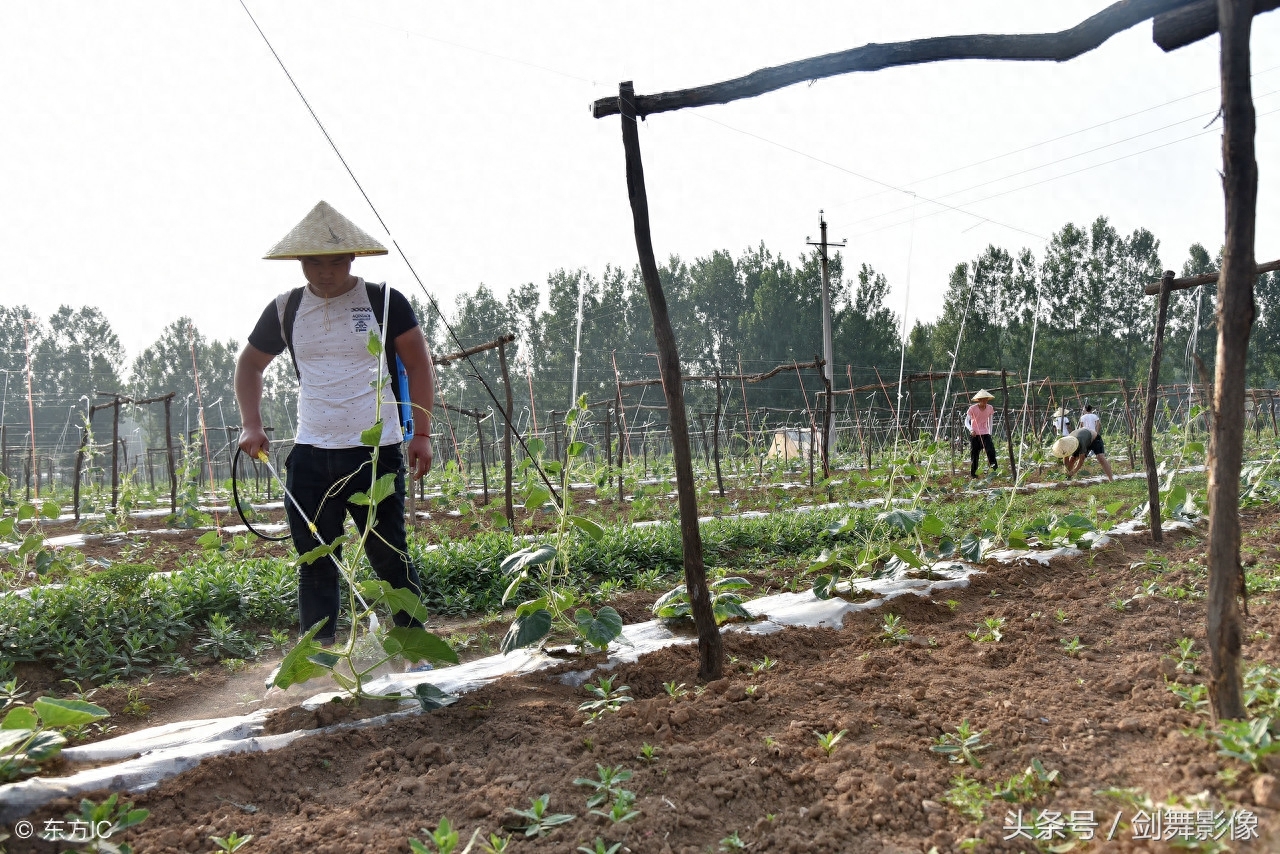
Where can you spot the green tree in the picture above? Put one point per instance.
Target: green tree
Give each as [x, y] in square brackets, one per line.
[171, 364]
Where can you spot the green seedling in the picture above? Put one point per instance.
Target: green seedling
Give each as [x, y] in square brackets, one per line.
[674, 690]
[1023, 788]
[607, 698]
[993, 625]
[601, 847]
[1071, 647]
[232, 842]
[829, 740]
[1187, 655]
[969, 797]
[621, 808]
[732, 842]
[648, 753]
[1118, 603]
[892, 630]
[763, 664]
[952, 604]
[608, 787]
[108, 819]
[1248, 741]
[961, 745]
[1061, 616]
[539, 820]
[445, 839]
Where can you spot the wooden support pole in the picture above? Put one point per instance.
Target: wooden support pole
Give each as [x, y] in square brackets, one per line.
[1128, 418]
[710, 647]
[715, 436]
[1148, 424]
[507, 430]
[1008, 428]
[115, 450]
[168, 444]
[1235, 315]
[484, 468]
[75, 480]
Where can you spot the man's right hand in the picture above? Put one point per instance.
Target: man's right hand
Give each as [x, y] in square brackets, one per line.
[253, 441]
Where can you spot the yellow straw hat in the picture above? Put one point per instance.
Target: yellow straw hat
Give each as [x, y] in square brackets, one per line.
[983, 394]
[1065, 447]
[324, 231]
[1060, 412]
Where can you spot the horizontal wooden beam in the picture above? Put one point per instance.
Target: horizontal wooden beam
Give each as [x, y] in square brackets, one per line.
[471, 351]
[1194, 22]
[1056, 47]
[1153, 288]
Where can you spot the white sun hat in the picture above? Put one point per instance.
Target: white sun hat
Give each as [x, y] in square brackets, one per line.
[983, 394]
[324, 231]
[1065, 447]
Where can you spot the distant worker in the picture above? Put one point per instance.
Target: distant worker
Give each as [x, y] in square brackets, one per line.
[1073, 450]
[326, 326]
[978, 420]
[1090, 420]
[1062, 421]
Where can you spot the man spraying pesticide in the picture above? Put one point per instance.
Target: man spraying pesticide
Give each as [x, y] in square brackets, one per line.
[345, 337]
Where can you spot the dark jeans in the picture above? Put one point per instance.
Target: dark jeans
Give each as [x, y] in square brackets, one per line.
[321, 481]
[976, 445]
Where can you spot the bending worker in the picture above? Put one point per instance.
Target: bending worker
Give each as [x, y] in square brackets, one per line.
[1073, 450]
[325, 326]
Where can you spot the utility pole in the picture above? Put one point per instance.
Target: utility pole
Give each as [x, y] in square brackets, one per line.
[827, 350]
[577, 348]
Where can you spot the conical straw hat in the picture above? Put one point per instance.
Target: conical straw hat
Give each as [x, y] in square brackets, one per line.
[1065, 447]
[983, 394]
[324, 231]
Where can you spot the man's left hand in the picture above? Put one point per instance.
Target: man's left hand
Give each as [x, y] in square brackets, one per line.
[420, 456]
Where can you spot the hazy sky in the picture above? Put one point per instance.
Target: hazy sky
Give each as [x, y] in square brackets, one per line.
[153, 151]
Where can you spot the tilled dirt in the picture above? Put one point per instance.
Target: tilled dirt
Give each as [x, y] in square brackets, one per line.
[741, 755]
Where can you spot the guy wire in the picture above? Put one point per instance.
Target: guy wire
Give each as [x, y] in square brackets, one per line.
[555, 496]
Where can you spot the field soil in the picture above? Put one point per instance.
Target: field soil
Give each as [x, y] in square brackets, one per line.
[741, 756]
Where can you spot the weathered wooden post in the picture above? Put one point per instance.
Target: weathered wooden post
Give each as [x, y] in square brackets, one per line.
[716, 434]
[710, 647]
[1008, 428]
[1128, 417]
[1148, 424]
[507, 430]
[75, 481]
[484, 468]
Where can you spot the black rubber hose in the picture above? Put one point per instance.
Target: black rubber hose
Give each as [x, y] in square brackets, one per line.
[235, 496]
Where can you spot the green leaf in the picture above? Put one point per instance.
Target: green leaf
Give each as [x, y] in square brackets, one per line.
[1113, 508]
[7, 526]
[592, 529]
[907, 556]
[516, 580]
[317, 553]
[902, 520]
[553, 468]
[824, 586]
[1195, 447]
[600, 630]
[431, 698]
[526, 608]
[732, 583]
[324, 659]
[404, 599]
[537, 447]
[418, 644]
[536, 497]
[972, 548]
[527, 557]
[374, 344]
[10, 738]
[371, 437]
[59, 713]
[384, 487]
[45, 745]
[527, 630]
[30, 543]
[1018, 539]
[50, 510]
[360, 499]
[728, 610]
[576, 449]
[297, 666]
[20, 718]
[26, 511]
[210, 540]
[931, 524]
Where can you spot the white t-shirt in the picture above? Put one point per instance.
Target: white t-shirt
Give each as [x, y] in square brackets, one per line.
[1063, 424]
[1091, 422]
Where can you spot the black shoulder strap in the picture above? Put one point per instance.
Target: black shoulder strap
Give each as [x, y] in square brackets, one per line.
[286, 325]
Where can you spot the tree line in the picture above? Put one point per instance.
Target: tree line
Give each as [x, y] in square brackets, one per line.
[1079, 304]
